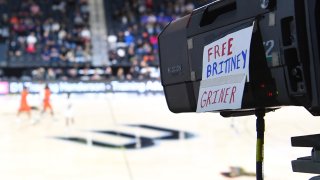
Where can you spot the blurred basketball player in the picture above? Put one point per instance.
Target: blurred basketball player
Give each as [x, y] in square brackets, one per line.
[24, 106]
[69, 111]
[46, 101]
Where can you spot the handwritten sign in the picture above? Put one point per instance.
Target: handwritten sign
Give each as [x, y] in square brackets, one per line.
[225, 71]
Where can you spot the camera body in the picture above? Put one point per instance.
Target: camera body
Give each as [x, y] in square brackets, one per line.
[284, 67]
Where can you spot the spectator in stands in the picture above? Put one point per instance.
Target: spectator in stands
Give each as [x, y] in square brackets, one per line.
[70, 58]
[85, 34]
[72, 74]
[38, 74]
[45, 54]
[31, 43]
[120, 74]
[4, 28]
[54, 56]
[85, 74]
[34, 9]
[108, 73]
[63, 56]
[50, 75]
[15, 48]
[134, 71]
[80, 55]
[96, 75]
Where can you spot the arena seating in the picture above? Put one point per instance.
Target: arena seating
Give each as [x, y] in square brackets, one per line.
[51, 39]
[46, 32]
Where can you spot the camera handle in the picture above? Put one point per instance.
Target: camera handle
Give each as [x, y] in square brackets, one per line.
[260, 127]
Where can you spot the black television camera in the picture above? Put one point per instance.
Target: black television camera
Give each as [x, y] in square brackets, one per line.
[284, 62]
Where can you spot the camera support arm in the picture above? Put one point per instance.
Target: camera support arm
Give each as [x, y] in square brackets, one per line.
[260, 127]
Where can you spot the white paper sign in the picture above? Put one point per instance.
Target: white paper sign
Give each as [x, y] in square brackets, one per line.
[225, 71]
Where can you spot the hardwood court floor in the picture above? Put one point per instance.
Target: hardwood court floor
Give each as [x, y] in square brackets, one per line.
[35, 151]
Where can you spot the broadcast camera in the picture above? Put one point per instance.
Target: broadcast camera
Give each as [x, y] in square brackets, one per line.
[204, 63]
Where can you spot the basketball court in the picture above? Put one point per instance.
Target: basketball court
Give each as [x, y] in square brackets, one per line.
[135, 137]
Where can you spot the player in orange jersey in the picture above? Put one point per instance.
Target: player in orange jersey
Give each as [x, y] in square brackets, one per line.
[24, 106]
[46, 100]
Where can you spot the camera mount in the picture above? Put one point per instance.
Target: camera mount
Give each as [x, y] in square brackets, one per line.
[260, 123]
[309, 164]
[284, 63]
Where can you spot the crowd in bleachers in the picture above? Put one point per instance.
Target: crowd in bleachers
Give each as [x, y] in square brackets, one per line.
[55, 36]
[46, 32]
[134, 29]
